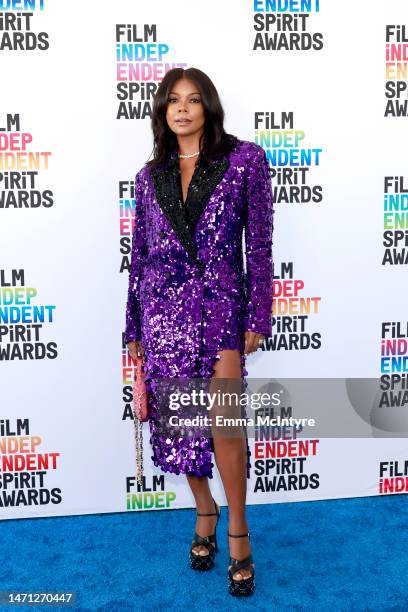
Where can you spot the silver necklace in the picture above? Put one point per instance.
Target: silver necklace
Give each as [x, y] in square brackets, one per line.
[190, 155]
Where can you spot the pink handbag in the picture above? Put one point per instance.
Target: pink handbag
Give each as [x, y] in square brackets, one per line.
[140, 414]
[140, 391]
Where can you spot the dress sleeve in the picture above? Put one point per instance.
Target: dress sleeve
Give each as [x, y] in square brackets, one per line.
[258, 246]
[139, 249]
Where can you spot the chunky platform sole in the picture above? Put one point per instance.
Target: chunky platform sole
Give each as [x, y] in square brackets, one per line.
[241, 588]
[201, 563]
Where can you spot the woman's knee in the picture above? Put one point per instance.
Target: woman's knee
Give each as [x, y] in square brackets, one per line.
[228, 364]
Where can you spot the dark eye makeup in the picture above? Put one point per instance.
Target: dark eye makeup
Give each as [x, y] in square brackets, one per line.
[173, 99]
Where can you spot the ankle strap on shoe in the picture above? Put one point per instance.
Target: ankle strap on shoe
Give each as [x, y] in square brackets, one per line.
[216, 513]
[242, 535]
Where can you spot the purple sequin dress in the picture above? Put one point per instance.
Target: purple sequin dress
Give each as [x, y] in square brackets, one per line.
[189, 296]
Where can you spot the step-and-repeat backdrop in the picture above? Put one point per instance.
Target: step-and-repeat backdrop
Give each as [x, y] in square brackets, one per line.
[323, 88]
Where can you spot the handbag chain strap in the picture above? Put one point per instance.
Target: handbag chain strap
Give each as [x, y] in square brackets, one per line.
[139, 449]
[138, 441]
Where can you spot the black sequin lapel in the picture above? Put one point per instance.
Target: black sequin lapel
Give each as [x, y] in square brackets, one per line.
[203, 183]
[166, 186]
[183, 217]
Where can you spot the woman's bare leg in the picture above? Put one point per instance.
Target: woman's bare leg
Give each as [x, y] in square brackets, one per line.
[231, 457]
[205, 525]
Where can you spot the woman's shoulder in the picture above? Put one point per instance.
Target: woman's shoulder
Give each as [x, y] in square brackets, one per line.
[250, 158]
[248, 151]
[142, 173]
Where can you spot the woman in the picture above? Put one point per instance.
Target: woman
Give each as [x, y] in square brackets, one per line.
[192, 310]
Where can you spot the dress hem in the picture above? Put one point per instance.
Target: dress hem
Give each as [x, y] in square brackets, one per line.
[181, 456]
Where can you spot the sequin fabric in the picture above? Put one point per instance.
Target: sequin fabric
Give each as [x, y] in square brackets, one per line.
[189, 296]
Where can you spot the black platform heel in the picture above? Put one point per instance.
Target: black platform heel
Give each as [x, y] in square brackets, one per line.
[245, 586]
[205, 562]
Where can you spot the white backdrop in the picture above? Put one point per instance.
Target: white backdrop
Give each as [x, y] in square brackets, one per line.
[76, 454]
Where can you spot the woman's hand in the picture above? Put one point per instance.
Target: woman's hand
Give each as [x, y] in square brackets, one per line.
[252, 341]
[135, 348]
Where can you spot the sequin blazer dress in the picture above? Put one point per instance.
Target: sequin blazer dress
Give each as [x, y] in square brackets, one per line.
[189, 294]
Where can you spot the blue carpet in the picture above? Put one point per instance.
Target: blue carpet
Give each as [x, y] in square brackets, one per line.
[346, 554]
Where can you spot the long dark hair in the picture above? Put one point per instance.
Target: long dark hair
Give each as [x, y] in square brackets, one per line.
[214, 141]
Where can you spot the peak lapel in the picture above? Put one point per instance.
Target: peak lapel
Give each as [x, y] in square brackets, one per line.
[166, 186]
[183, 217]
[205, 179]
